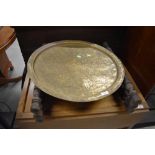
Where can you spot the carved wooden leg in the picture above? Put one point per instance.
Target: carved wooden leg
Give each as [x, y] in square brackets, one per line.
[7, 80]
[11, 67]
[5, 64]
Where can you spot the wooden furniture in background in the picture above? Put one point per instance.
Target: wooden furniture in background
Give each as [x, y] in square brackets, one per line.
[105, 113]
[7, 37]
[139, 56]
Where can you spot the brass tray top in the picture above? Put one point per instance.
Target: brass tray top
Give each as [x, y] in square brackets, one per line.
[76, 71]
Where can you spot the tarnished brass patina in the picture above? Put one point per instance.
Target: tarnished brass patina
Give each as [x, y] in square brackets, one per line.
[76, 71]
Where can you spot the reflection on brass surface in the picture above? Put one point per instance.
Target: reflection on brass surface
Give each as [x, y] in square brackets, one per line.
[75, 70]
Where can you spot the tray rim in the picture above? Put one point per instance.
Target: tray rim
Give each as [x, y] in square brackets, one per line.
[37, 52]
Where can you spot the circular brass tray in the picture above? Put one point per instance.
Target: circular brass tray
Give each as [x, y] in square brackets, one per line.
[76, 71]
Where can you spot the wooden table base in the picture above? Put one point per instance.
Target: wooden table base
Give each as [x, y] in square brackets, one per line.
[104, 113]
[7, 37]
[5, 64]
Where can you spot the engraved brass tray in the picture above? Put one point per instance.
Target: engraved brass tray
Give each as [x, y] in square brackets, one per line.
[76, 71]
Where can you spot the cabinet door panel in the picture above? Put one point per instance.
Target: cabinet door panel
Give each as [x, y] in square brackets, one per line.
[140, 56]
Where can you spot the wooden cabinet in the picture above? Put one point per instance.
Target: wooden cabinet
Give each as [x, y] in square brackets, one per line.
[139, 56]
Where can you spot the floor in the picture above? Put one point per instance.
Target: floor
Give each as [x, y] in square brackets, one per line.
[10, 93]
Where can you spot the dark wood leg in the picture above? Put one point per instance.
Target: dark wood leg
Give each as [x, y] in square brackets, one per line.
[7, 80]
[11, 67]
[5, 64]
